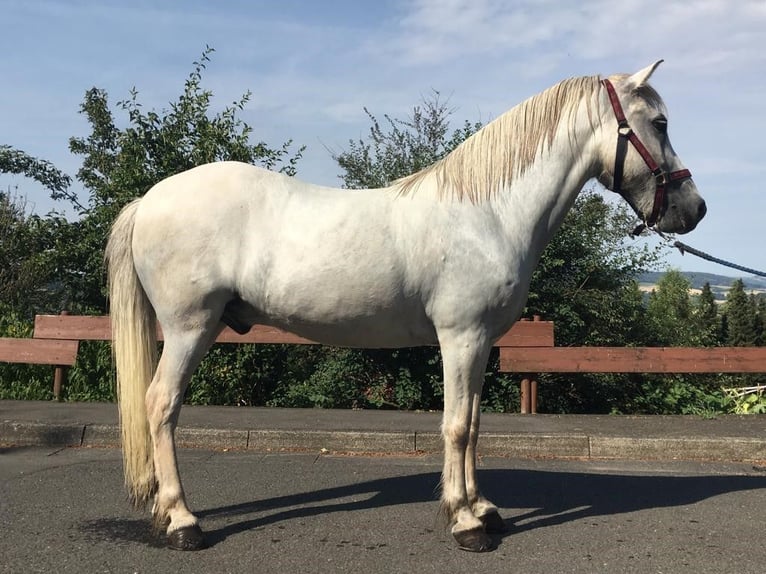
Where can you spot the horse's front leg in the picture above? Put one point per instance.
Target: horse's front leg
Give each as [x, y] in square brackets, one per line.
[483, 509]
[464, 357]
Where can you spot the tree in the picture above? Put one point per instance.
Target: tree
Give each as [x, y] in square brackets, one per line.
[669, 312]
[754, 302]
[27, 275]
[585, 280]
[760, 310]
[706, 318]
[740, 317]
[406, 147]
[16, 161]
[120, 164]
[22, 275]
[27, 278]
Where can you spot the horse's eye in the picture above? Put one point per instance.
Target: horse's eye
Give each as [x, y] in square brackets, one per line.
[661, 125]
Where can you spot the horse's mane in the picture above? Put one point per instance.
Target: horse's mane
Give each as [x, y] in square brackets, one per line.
[506, 147]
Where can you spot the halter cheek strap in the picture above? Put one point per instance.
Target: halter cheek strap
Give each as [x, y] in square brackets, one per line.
[626, 134]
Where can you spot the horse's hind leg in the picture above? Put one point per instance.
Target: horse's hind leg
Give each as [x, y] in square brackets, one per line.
[182, 352]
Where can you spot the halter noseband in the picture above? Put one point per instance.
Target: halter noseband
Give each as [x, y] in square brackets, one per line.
[625, 135]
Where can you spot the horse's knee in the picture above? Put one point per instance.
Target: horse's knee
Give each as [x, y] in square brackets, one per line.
[455, 435]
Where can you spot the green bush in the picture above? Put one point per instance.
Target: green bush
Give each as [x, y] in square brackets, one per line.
[354, 378]
[92, 377]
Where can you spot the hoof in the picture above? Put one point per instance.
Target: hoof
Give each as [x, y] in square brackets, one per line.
[493, 523]
[187, 538]
[473, 540]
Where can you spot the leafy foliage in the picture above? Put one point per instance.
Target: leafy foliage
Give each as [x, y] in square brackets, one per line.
[741, 317]
[27, 241]
[121, 164]
[118, 164]
[23, 274]
[15, 161]
[706, 319]
[22, 382]
[669, 312]
[406, 146]
[27, 276]
[585, 282]
[747, 400]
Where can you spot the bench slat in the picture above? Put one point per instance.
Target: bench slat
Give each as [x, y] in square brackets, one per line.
[262, 334]
[38, 351]
[634, 360]
[76, 327]
[528, 334]
[98, 328]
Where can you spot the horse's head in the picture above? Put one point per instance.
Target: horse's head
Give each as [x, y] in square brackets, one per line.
[637, 159]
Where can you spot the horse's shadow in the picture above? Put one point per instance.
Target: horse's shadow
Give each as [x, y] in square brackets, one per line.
[556, 497]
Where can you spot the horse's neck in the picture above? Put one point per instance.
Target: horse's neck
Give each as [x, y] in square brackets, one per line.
[534, 205]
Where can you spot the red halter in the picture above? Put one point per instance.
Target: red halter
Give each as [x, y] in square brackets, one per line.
[626, 134]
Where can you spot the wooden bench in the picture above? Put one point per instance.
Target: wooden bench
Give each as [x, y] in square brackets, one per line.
[527, 349]
[633, 360]
[41, 352]
[61, 334]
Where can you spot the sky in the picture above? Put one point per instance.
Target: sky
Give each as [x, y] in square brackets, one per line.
[313, 66]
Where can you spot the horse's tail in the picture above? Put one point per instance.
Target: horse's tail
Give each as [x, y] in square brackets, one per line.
[134, 340]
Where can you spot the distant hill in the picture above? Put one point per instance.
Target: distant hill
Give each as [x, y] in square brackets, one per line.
[719, 284]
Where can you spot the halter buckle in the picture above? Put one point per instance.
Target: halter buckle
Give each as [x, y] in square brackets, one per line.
[624, 130]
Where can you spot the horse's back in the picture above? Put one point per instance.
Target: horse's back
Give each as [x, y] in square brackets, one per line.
[214, 186]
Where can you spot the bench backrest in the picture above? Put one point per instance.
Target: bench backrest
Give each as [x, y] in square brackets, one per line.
[635, 360]
[98, 328]
[38, 352]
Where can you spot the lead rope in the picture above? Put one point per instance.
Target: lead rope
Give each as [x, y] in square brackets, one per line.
[683, 248]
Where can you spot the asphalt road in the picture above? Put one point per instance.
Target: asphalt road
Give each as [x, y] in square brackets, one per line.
[64, 511]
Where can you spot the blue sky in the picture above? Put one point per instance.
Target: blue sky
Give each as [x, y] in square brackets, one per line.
[312, 66]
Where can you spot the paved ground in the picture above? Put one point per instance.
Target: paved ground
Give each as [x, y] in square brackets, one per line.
[63, 510]
[728, 438]
[582, 494]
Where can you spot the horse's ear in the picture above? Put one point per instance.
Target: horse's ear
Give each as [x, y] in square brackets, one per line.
[642, 76]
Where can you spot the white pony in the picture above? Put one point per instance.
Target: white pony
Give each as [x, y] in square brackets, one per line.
[443, 256]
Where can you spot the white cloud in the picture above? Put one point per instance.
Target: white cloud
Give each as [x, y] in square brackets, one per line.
[695, 35]
[312, 67]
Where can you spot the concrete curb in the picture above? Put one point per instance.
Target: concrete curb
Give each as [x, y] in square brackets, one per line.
[41, 434]
[688, 448]
[512, 445]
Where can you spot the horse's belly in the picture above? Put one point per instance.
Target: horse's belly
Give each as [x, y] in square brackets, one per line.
[363, 333]
[347, 320]
[357, 311]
